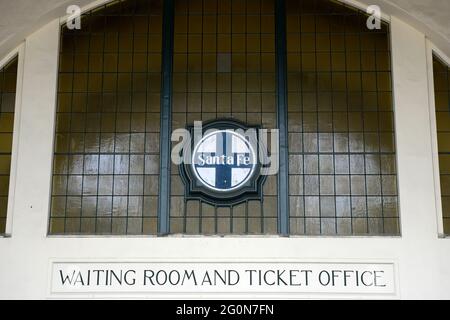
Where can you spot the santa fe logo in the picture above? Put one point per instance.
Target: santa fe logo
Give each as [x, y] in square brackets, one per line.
[224, 160]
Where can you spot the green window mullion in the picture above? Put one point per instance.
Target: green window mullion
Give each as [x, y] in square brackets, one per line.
[166, 115]
[281, 85]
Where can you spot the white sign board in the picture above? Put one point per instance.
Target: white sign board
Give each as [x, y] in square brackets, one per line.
[226, 277]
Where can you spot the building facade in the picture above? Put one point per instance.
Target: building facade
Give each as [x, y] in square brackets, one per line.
[343, 184]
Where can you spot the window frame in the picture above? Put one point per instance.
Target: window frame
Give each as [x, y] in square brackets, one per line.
[433, 50]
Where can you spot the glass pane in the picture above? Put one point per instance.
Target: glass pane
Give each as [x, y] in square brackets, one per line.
[106, 165]
[227, 49]
[442, 95]
[341, 128]
[8, 78]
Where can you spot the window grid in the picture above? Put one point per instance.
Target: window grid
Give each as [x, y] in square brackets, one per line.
[327, 70]
[106, 166]
[8, 79]
[214, 77]
[442, 104]
[342, 177]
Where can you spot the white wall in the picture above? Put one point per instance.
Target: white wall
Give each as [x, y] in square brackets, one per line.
[422, 258]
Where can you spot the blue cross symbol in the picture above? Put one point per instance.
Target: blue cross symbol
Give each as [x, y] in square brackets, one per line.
[223, 172]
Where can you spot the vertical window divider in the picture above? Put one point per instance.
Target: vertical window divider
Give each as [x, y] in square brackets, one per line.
[281, 72]
[166, 115]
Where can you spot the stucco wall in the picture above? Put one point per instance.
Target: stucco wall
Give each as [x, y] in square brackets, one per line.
[420, 256]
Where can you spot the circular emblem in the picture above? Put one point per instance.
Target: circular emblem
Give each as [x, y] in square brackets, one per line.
[224, 161]
[223, 167]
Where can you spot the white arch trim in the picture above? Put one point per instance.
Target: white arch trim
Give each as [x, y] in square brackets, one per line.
[388, 9]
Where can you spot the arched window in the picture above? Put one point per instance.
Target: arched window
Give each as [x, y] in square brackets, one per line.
[8, 80]
[442, 105]
[123, 74]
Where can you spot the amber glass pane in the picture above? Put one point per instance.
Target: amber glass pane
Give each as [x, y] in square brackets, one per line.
[8, 78]
[224, 67]
[442, 98]
[342, 174]
[106, 164]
